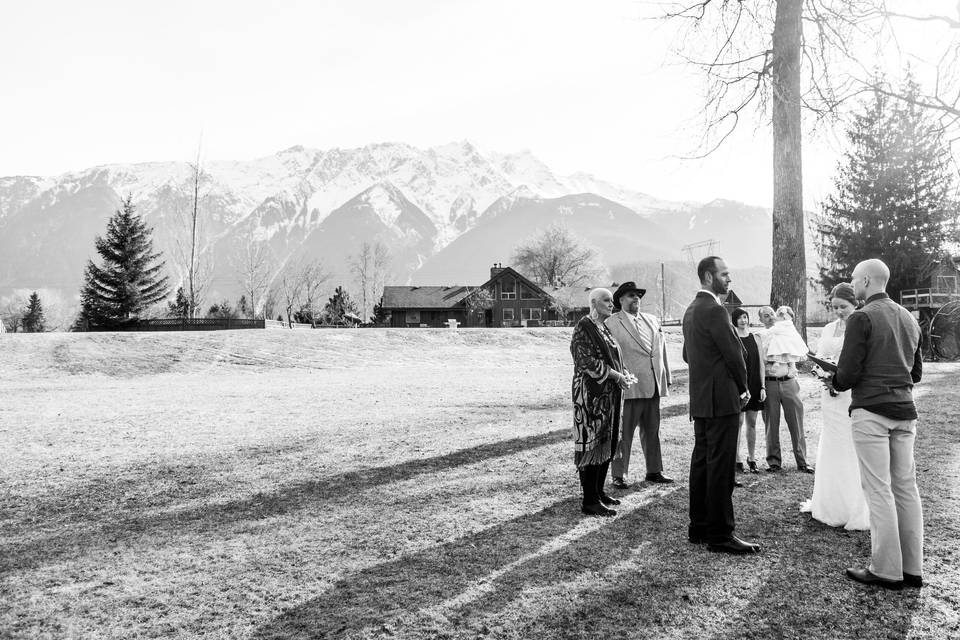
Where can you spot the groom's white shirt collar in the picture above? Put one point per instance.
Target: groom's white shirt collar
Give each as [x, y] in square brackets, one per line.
[712, 294]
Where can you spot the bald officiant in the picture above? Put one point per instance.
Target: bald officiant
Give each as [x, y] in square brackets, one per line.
[644, 354]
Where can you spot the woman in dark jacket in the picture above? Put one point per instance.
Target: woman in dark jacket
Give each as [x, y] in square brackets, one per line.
[598, 384]
[754, 355]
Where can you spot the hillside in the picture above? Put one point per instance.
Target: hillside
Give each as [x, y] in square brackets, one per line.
[446, 213]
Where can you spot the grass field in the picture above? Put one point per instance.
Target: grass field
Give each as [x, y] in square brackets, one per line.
[398, 484]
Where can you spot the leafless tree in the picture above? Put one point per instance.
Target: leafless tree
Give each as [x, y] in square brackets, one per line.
[252, 264]
[12, 310]
[269, 303]
[314, 277]
[554, 257]
[369, 267]
[298, 287]
[287, 288]
[477, 302]
[191, 250]
[790, 56]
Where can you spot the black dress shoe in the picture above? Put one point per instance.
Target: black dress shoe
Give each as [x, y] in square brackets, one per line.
[805, 469]
[739, 467]
[911, 580]
[597, 510]
[734, 545]
[753, 466]
[865, 577]
[620, 483]
[658, 478]
[773, 469]
[606, 500]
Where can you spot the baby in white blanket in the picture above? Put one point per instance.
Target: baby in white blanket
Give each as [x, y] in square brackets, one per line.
[785, 343]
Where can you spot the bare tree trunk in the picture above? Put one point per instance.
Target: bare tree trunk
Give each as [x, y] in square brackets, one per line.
[789, 261]
[251, 263]
[191, 270]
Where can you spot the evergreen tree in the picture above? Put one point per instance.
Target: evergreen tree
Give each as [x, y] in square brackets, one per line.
[180, 307]
[221, 310]
[33, 320]
[892, 197]
[380, 317]
[129, 280]
[338, 306]
[243, 309]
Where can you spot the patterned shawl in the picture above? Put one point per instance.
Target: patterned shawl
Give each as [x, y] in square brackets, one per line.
[597, 399]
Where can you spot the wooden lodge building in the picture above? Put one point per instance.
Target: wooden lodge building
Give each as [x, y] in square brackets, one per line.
[516, 302]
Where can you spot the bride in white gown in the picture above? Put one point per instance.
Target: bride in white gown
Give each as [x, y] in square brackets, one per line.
[837, 495]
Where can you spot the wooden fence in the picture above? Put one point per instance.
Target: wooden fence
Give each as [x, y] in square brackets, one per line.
[280, 324]
[183, 324]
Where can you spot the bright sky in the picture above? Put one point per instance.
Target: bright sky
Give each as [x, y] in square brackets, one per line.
[581, 84]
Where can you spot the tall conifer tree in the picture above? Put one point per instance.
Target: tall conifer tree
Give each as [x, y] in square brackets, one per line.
[339, 305]
[33, 320]
[129, 280]
[893, 197]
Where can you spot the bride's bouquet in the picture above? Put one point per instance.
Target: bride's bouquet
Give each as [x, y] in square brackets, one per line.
[629, 378]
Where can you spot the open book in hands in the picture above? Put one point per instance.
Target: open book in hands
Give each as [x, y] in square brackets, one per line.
[826, 365]
[825, 370]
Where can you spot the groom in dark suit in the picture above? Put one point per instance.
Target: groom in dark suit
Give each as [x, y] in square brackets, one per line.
[718, 391]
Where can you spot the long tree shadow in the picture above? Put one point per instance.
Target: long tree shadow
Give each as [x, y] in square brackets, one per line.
[800, 593]
[87, 537]
[400, 588]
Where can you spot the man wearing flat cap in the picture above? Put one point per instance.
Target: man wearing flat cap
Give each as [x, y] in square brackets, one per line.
[644, 353]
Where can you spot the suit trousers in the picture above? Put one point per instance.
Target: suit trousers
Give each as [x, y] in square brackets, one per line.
[787, 395]
[642, 414]
[712, 477]
[889, 478]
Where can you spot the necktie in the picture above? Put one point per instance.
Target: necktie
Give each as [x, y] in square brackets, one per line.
[645, 339]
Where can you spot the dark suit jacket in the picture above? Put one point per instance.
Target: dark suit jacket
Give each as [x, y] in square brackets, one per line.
[718, 371]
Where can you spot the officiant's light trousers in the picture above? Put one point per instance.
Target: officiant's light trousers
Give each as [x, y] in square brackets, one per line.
[889, 478]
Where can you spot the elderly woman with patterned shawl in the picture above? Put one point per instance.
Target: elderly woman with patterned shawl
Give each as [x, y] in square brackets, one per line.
[598, 384]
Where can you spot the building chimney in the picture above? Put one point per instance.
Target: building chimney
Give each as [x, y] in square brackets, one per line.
[495, 269]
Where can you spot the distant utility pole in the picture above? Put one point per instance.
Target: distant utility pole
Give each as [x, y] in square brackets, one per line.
[663, 294]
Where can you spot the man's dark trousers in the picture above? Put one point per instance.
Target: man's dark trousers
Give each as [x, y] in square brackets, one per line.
[712, 477]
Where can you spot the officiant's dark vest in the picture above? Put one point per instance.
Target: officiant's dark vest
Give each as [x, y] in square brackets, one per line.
[891, 345]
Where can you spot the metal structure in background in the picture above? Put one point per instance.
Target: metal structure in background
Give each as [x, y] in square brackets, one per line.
[938, 311]
[692, 251]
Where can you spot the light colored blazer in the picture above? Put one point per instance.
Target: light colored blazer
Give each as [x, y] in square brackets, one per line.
[651, 368]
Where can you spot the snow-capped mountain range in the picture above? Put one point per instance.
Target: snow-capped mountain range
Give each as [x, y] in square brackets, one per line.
[446, 213]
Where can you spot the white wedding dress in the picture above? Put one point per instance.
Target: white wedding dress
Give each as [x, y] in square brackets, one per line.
[837, 494]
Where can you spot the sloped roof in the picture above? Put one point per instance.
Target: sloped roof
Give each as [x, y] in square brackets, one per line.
[732, 298]
[519, 276]
[424, 297]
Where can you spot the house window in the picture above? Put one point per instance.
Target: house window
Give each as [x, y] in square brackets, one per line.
[529, 314]
[413, 316]
[526, 293]
[508, 292]
[508, 315]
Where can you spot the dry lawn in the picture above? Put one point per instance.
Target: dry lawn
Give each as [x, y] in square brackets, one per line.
[397, 484]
